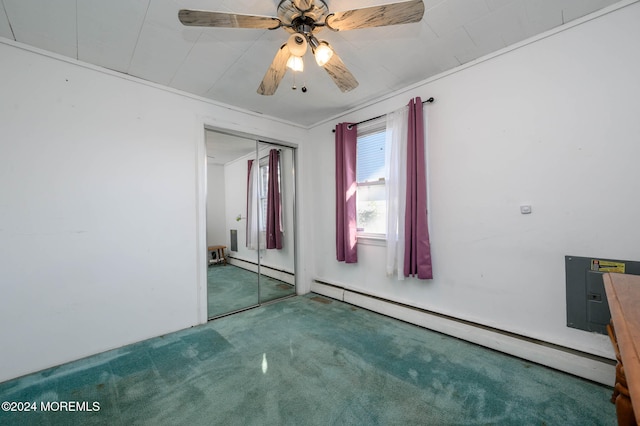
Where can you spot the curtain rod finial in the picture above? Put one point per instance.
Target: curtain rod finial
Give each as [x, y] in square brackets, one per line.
[430, 100]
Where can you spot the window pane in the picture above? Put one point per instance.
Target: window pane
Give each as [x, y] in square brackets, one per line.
[371, 195]
[371, 206]
[370, 157]
[264, 181]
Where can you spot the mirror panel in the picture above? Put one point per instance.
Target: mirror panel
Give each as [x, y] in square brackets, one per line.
[231, 286]
[277, 221]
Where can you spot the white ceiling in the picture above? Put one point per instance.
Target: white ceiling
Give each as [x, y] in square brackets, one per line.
[144, 38]
[223, 148]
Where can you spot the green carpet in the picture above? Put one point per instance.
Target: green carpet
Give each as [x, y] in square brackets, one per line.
[230, 288]
[309, 360]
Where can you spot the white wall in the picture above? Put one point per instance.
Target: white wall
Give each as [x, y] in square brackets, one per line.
[553, 124]
[102, 205]
[216, 211]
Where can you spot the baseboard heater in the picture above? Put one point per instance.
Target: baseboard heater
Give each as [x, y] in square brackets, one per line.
[578, 363]
[276, 273]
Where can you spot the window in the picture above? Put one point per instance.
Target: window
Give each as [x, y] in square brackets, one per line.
[263, 184]
[263, 190]
[371, 204]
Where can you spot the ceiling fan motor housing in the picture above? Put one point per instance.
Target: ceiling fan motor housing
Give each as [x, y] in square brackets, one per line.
[303, 25]
[302, 21]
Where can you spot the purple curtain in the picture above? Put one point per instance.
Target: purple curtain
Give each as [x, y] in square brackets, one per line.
[274, 204]
[249, 165]
[346, 245]
[417, 251]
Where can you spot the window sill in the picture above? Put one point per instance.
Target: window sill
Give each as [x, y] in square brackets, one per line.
[372, 240]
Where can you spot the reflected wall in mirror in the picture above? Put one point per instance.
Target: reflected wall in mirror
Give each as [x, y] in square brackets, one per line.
[276, 220]
[240, 200]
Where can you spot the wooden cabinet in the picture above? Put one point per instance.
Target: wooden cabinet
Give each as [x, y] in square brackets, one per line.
[623, 295]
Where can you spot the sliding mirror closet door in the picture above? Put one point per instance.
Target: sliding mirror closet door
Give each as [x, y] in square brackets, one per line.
[232, 272]
[250, 222]
[275, 195]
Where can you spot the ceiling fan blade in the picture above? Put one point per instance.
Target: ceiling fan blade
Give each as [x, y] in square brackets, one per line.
[339, 73]
[203, 18]
[377, 16]
[276, 71]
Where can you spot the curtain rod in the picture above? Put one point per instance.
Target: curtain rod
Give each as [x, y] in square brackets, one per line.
[430, 100]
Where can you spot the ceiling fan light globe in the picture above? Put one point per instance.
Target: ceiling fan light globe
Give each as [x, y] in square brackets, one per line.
[295, 63]
[323, 54]
[297, 44]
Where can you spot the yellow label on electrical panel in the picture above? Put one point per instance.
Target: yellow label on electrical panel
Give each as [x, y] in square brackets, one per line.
[607, 266]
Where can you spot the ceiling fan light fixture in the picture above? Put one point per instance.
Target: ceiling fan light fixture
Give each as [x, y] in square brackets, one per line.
[323, 54]
[297, 44]
[295, 63]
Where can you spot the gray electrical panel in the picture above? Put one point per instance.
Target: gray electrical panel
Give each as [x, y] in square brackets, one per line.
[587, 306]
[233, 236]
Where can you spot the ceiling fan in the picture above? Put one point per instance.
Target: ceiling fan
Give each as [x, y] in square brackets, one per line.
[304, 19]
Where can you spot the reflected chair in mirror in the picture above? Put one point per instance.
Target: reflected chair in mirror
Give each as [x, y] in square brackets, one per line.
[216, 255]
